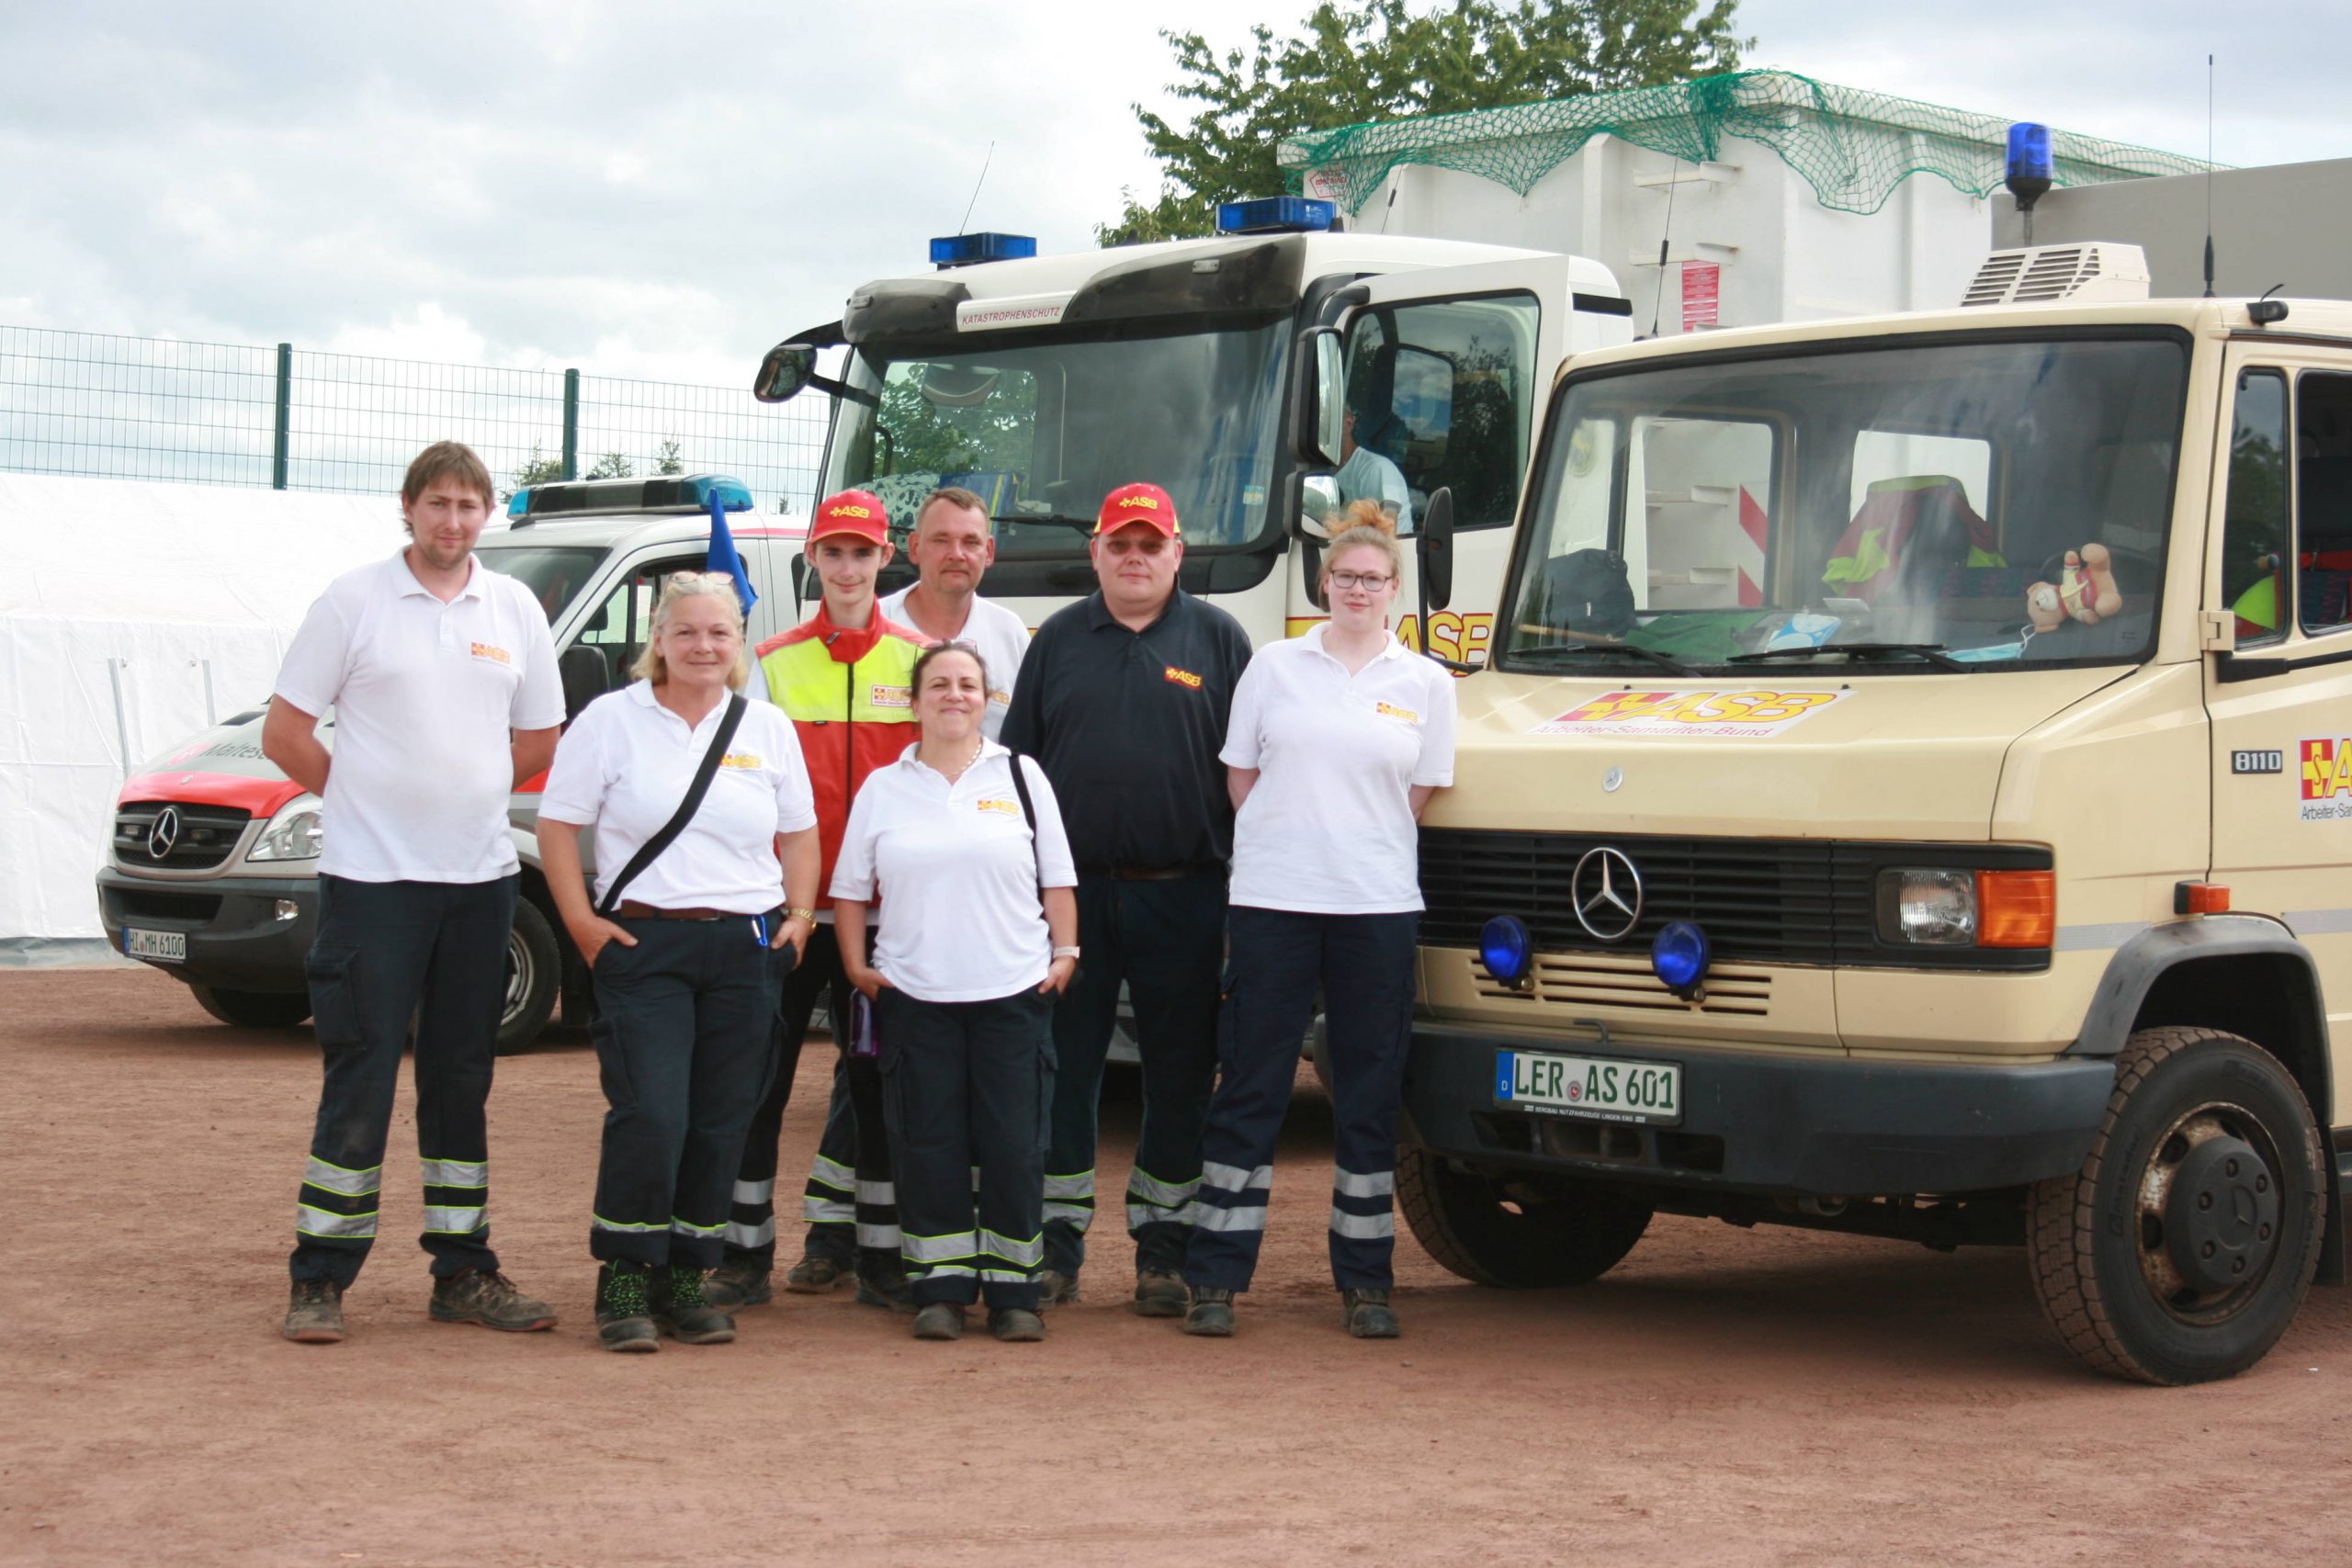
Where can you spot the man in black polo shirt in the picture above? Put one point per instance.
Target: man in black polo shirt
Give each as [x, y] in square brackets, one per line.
[1123, 697]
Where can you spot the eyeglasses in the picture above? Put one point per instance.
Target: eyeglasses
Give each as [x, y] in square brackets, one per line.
[1371, 580]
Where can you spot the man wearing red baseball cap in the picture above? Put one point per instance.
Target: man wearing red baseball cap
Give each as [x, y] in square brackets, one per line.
[1123, 698]
[845, 678]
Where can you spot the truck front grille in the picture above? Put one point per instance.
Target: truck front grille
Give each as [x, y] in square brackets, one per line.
[202, 835]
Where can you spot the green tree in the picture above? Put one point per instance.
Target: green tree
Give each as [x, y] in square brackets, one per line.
[538, 469]
[612, 466]
[666, 459]
[1380, 61]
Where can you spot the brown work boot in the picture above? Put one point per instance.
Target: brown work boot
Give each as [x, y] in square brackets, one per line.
[1159, 1294]
[314, 1315]
[1211, 1313]
[940, 1320]
[738, 1282]
[488, 1298]
[815, 1274]
[1054, 1288]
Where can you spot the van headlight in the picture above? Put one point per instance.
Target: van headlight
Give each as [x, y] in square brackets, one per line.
[292, 834]
[1928, 907]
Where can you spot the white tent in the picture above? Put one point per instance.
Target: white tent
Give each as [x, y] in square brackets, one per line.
[118, 602]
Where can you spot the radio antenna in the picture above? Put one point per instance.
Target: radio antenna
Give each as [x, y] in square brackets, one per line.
[1657, 301]
[966, 226]
[2208, 176]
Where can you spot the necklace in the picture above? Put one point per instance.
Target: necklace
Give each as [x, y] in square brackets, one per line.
[952, 774]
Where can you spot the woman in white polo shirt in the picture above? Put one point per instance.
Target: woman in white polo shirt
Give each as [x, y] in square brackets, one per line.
[978, 939]
[686, 992]
[1337, 739]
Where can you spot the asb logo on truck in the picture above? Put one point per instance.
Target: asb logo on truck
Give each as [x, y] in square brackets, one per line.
[2326, 780]
[1714, 715]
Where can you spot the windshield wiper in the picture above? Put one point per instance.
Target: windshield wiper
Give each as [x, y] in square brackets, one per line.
[1083, 524]
[1933, 652]
[1664, 661]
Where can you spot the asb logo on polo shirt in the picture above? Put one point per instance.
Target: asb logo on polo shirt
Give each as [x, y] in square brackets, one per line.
[1004, 808]
[892, 696]
[1182, 677]
[1390, 710]
[740, 760]
[486, 651]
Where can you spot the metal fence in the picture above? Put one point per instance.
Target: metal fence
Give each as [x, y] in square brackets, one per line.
[137, 408]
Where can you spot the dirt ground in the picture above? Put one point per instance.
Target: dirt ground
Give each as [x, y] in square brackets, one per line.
[1722, 1397]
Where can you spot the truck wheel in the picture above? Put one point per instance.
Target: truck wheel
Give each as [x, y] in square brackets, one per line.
[1519, 1232]
[2180, 1251]
[534, 973]
[254, 1009]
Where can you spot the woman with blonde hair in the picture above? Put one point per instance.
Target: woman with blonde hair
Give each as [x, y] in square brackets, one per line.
[1337, 739]
[706, 822]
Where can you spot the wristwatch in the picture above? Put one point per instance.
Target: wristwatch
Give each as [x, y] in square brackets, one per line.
[808, 915]
[1064, 953]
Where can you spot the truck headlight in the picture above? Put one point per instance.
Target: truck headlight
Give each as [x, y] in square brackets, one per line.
[1928, 907]
[292, 834]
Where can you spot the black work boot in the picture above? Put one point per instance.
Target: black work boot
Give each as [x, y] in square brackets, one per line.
[681, 1309]
[314, 1315]
[1016, 1325]
[1159, 1292]
[1211, 1313]
[816, 1273]
[738, 1282]
[624, 1316]
[488, 1298]
[1054, 1288]
[1368, 1316]
[940, 1320]
[882, 1281]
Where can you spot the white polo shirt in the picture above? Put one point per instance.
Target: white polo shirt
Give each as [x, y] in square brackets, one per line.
[996, 631]
[424, 694]
[959, 872]
[625, 764]
[1328, 827]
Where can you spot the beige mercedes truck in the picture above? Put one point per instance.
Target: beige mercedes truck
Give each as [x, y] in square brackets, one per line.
[1911, 796]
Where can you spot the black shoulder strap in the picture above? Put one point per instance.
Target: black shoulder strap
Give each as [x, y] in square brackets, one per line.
[650, 851]
[1029, 814]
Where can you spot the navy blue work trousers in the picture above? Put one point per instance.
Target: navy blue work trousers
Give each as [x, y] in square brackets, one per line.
[388, 953]
[1364, 965]
[1165, 939]
[965, 1085]
[685, 1042]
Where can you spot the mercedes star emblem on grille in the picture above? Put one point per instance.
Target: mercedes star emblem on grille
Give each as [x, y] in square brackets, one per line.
[1607, 892]
[164, 833]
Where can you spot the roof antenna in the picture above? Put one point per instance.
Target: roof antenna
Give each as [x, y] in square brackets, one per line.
[1657, 301]
[2208, 176]
[966, 226]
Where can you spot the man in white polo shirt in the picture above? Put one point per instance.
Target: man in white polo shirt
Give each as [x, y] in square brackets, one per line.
[443, 681]
[952, 543]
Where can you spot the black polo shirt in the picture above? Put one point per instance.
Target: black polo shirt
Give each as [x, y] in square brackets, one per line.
[1127, 726]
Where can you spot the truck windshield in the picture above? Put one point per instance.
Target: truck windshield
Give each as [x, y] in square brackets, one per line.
[554, 573]
[1889, 508]
[1043, 426]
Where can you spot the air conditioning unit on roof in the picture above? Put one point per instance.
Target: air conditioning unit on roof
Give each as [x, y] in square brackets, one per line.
[2045, 273]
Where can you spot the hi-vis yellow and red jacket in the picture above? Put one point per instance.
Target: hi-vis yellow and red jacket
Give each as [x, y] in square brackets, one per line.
[851, 697]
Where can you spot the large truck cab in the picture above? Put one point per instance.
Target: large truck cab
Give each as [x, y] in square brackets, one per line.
[211, 875]
[1911, 796]
[1217, 370]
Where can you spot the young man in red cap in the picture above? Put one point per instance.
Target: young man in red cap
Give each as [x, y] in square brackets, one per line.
[844, 676]
[1124, 698]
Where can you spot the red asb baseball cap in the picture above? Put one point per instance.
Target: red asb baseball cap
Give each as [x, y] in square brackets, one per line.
[1137, 503]
[854, 512]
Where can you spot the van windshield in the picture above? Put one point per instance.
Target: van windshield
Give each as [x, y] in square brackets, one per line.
[1043, 426]
[1890, 507]
[554, 573]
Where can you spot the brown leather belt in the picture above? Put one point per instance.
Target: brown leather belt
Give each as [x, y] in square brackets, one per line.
[630, 910]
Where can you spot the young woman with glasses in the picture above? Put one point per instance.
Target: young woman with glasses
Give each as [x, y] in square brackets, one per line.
[1337, 739]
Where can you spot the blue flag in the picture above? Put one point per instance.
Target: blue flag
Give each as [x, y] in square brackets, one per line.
[722, 553]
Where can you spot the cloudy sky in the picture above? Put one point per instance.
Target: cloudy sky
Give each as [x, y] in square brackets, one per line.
[664, 191]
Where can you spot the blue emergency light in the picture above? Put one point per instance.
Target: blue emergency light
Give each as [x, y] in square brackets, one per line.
[660, 493]
[1680, 956]
[964, 250]
[1506, 949]
[1274, 215]
[2028, 151]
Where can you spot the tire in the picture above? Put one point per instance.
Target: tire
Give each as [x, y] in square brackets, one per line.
[254, 1009]
[2181, 1250]
[534, 975]
[1517, 1231]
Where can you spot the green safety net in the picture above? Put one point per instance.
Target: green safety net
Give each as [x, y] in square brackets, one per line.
[1853, 147]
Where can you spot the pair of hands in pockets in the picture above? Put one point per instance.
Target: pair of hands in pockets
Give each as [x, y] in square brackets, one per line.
[870, 980]
[593, 935]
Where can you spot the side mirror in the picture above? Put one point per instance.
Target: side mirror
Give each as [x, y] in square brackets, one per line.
[1433, 544]
[1320, 400]
[784, 371]
[1318, 498]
